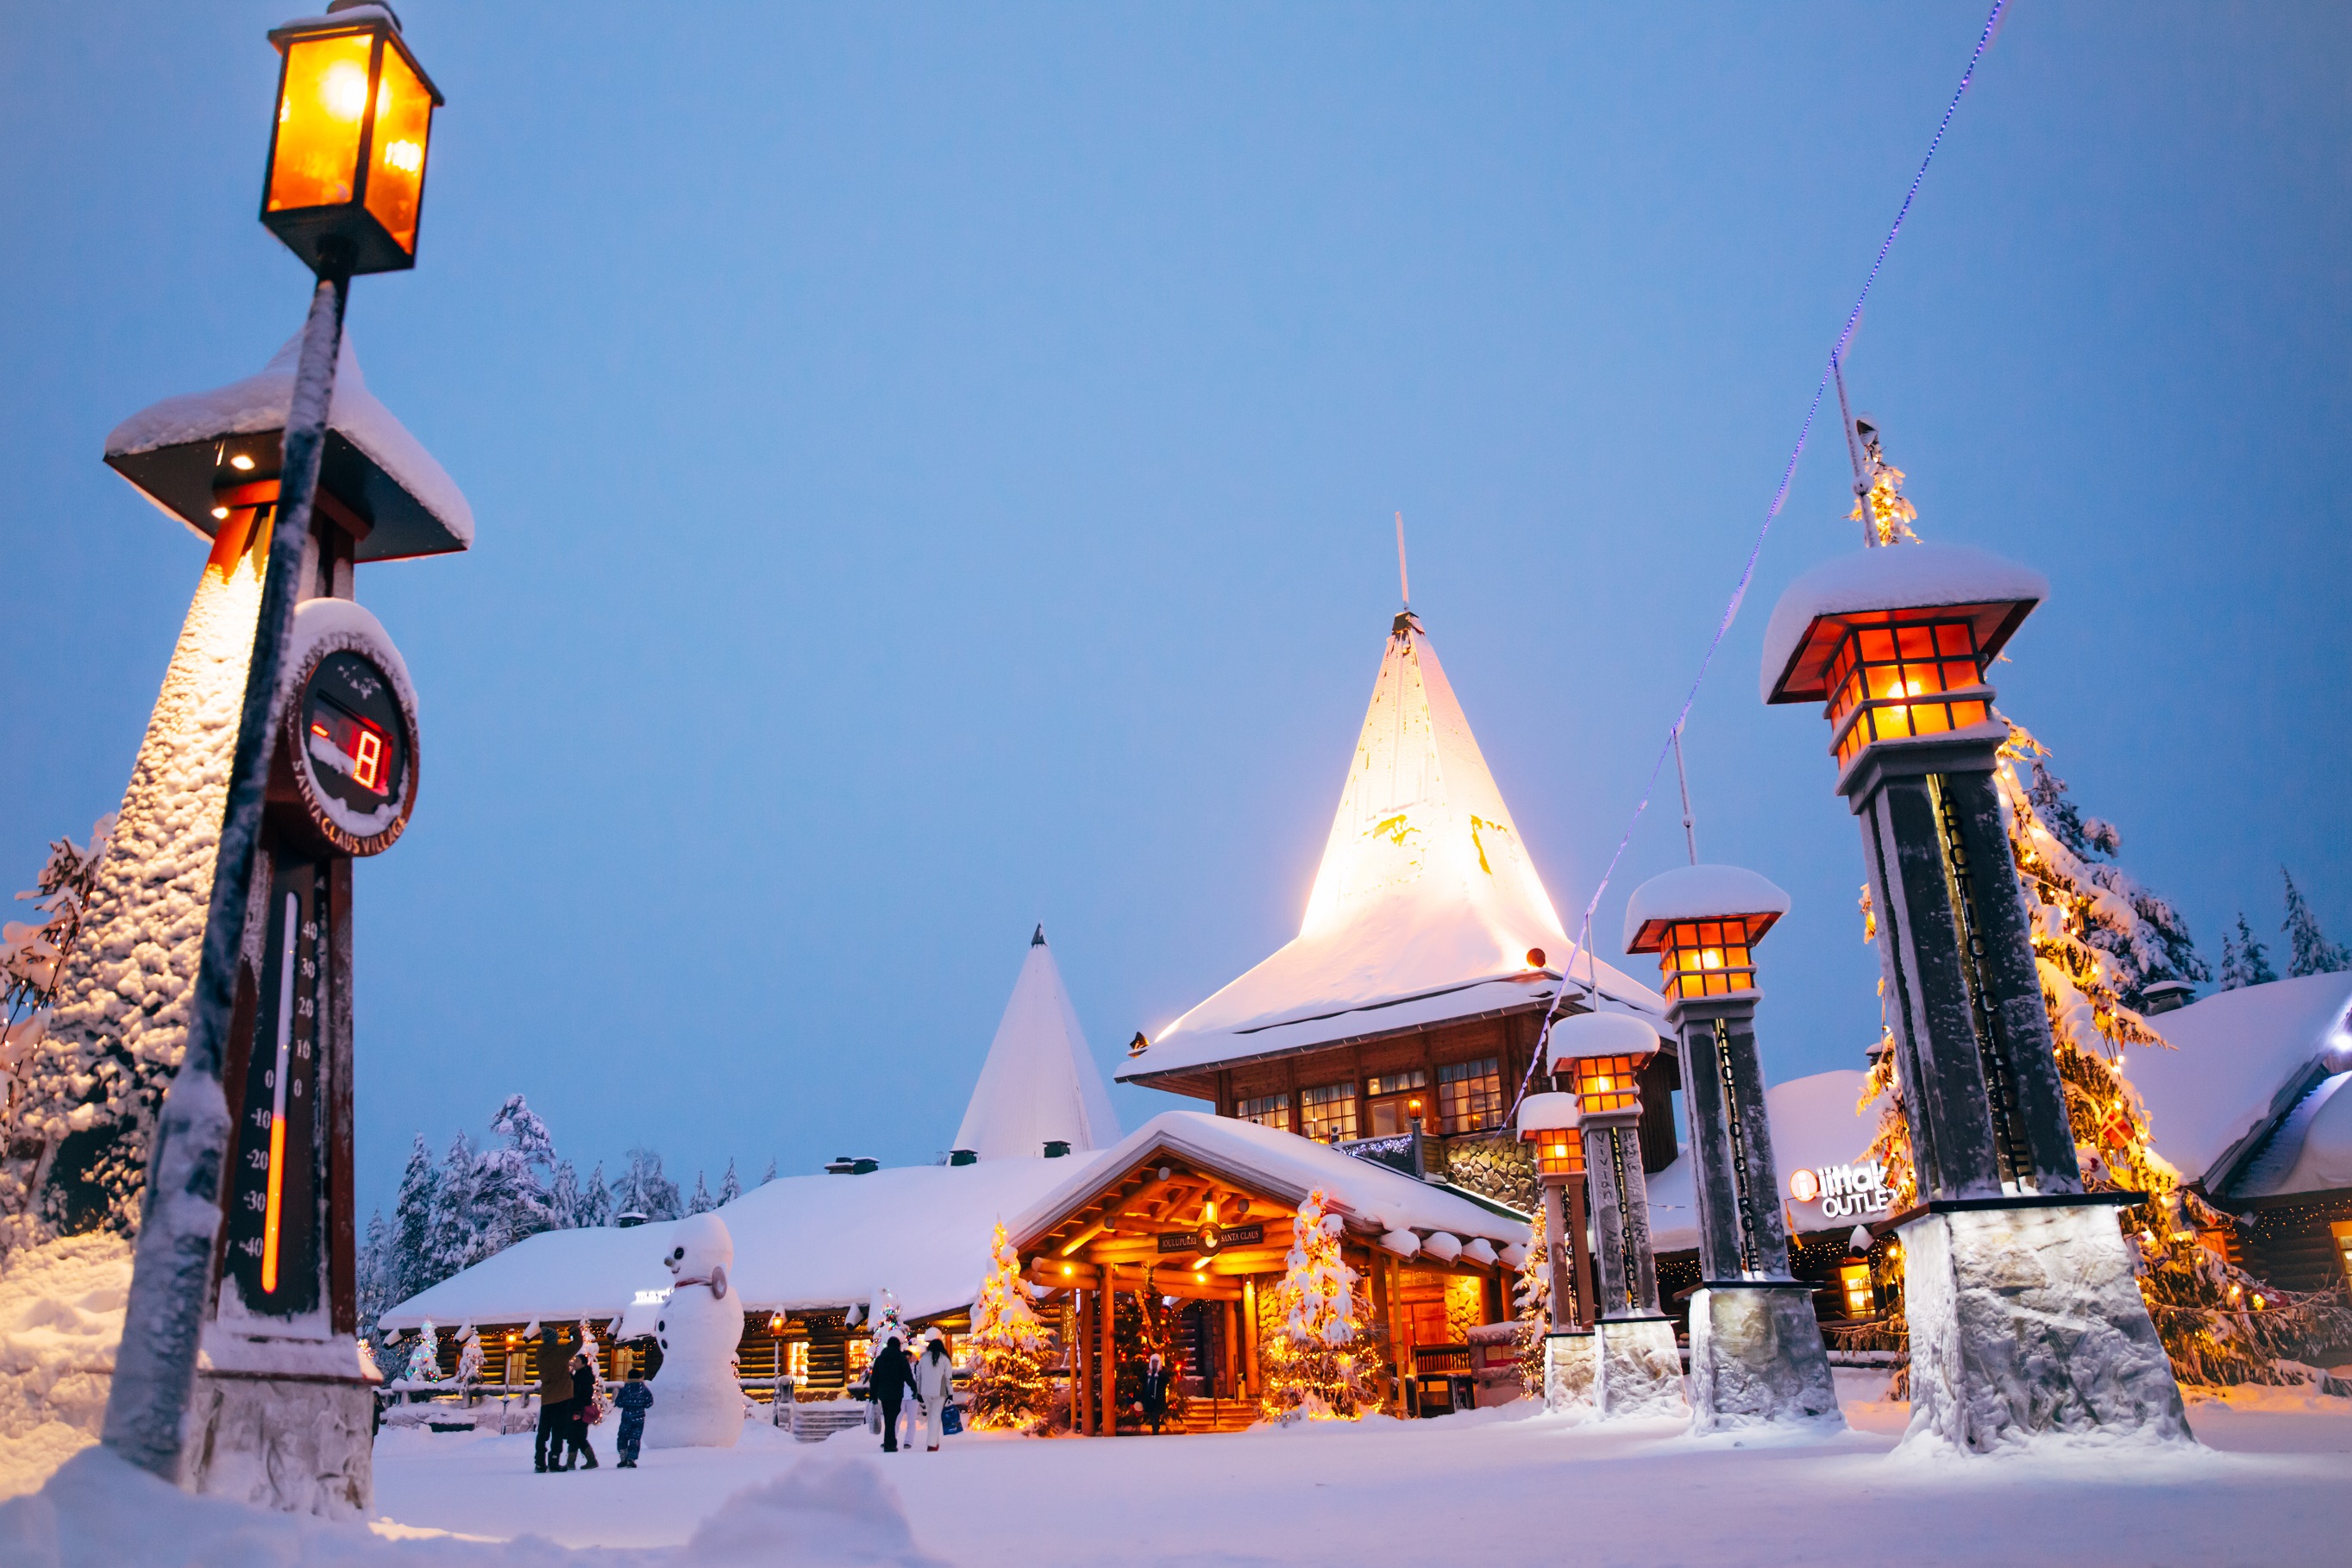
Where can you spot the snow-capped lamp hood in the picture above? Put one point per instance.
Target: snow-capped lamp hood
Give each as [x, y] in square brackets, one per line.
[1701, 892]
[1600, 1035]
[1813, 613]
[1040, 1084]
[175, 452]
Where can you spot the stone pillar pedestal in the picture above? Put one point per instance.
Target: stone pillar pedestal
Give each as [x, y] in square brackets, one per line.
[1569, 1366]
[2027, 1323]
[293, 1444]
[1757, 1358]
[1638, 1368]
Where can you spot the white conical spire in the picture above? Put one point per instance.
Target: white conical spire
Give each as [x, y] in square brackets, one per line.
[1040, 1083]
[1424, 883]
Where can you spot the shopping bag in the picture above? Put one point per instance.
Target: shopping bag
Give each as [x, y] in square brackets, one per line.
[874, 1416]
[951, 1421]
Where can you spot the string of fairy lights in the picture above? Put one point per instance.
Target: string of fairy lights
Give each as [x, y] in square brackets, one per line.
[1830, 370]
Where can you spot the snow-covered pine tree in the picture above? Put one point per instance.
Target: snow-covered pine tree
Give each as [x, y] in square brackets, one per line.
[643, 1189]
[702, 1201]
[372, 1276]
[2308, 950]
[33, 958]
[771, 1172]
[1008, 1354]
[2244, 960]
[2095, 932]
[2148, 938]
[730, 1189]
[1533, 1295]
[453, 1239]
[469, 1354]
[510, 1198]
[408, 1267]
[1311, 1327]
[595, 1206]
[563, 1198]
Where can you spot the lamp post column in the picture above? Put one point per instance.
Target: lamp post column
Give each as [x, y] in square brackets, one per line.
[2026, 1316]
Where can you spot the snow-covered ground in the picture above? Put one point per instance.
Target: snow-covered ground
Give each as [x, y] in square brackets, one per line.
[2274, 1485]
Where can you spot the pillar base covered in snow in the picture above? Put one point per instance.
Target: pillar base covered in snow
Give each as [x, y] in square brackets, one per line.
[1638, 1368]
[2027, 1323]
[1757, 1357]
[291, 1445]
[1570, 1365]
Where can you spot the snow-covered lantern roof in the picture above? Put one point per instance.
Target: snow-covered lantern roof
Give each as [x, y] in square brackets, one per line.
[1875, 633]
[1702, 922]
[1602, 1055]
[205, 456]
[1552, 1123]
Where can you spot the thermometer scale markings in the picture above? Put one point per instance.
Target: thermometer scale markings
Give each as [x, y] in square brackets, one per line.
[278, 1102]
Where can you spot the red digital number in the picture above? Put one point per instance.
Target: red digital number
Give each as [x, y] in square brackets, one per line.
[367, 766]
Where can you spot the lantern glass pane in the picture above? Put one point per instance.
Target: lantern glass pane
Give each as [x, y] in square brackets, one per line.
[322, 103]
[403, 119]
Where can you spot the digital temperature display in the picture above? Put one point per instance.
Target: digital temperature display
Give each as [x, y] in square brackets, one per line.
[353, 748]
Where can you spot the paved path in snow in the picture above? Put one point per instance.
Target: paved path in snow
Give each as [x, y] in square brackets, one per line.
[2274, 1486]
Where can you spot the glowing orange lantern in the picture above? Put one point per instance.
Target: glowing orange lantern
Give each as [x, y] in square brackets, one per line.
[1551, 1122]
[1599, 1057]
[1702, 922]
[346, 178]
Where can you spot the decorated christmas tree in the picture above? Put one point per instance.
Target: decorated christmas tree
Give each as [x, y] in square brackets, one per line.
[1317, 1366]
[425, 1356]
[2098, 939]
[1008, 1353]
[1534, 1320]
[883, 1318]
[1143, 1326]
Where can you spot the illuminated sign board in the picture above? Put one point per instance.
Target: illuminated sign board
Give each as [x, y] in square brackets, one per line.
[1845, 1191]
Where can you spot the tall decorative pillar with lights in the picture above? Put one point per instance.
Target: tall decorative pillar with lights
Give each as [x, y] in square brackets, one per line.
[1637, 1368]
[240, 1374]
[1756, 1346]
[1551, 1122]
[2025, 1313]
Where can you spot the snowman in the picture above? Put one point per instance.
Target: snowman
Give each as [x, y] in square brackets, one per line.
[697, 1404]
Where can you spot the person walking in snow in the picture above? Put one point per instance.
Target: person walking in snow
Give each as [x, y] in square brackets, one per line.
[1155, 1392]
[887, 1382]
[934, 1385]
[635, 1399]
[575, 1423]
[554, 1399]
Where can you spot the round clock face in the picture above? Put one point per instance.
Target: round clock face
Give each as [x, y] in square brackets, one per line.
[355, 744]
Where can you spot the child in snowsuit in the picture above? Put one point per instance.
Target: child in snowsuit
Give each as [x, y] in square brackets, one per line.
[635, 1399]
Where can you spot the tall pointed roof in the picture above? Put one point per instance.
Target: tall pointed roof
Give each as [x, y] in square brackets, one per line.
[1425, 896]
[1040, 1082]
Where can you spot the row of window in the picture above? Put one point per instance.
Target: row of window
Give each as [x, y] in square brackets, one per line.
[1469, 1099]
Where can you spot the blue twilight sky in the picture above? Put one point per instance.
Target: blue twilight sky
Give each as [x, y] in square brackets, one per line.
[934, 469]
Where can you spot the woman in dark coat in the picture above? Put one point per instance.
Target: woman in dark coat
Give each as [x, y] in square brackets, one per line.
[575, 1423]
[1155, 1392]
[888, 1381]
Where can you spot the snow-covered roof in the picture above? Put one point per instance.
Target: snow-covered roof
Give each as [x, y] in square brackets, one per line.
[1814, 1124]
[921, 1232]
[2240, 1061]
[1890, 577]
[1373, 1198]
[168, 451]
[1425, 896]
[1040, 1081]
[1700, 892]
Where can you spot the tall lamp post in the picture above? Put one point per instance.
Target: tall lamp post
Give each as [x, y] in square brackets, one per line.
[1551, 1122]
[2025, 1314]
[344, 186]
[1756, 1346]
[1637, 1368]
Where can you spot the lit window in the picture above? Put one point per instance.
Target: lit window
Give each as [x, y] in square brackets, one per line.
[1853, 1280]
[1329, 1111]
[1396, 1099]
[1470, 1095]
[1267, 1111]
[2343, 1233]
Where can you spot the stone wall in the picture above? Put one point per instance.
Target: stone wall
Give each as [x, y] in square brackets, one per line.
[1492, 1164]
